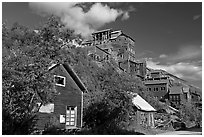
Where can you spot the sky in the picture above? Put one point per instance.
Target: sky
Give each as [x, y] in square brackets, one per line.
[167, 34]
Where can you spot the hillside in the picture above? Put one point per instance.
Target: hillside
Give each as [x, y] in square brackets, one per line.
[176, 79]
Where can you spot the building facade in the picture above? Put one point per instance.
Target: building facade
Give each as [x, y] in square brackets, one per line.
[157, 83]
[144, 112]
[119, 46]
[66, 110]
[167, 86]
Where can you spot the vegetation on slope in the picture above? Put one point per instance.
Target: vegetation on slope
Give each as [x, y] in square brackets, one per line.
[26, 57]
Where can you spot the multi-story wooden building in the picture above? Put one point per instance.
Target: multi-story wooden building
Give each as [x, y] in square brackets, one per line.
[175, 96]
[158, 83]
[120, 47]
[167, 86]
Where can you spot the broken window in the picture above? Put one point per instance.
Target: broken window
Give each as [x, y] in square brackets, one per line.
[59, 80]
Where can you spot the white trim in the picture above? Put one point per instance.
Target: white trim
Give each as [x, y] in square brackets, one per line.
[82, 109]
[75, 109]
[60, 84]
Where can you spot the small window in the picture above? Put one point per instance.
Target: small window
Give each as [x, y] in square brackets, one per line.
[163, 88]
[59, 80]
[107, 57]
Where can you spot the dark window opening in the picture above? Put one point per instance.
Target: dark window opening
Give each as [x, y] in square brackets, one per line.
[60, 80]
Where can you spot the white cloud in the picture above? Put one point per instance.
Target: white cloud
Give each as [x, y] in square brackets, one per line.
[125, 16]
[75, 18]
[163, 56]
[188, 71]
[184, 54]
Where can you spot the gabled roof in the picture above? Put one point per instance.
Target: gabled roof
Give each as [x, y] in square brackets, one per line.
[120, 33]
[128, 37]
[73, 74]
[141, 104]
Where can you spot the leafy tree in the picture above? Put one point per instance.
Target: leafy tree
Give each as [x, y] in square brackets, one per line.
[26, 80]
[108, 106]
[27, 55]
[190, 113]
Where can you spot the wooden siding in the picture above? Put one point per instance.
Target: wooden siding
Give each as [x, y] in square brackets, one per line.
[70, 95]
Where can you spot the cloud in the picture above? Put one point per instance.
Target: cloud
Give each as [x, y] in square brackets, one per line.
[163, 56]
[74, 17]
[184, 70]
[184, 54]
[125, 16]
[195, 17]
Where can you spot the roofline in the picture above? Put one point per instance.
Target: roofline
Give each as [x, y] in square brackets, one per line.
[138, 108]
[102, 30]
[53, 67]
[73, 74]
[146, 110]
[156, 83]
[128, 36]
[103, 50]
[75, 77]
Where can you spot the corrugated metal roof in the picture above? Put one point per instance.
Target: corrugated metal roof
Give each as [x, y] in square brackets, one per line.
[141, 104]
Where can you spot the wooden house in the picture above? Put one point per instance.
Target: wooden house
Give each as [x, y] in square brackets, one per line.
[144, 112]
[66, 110]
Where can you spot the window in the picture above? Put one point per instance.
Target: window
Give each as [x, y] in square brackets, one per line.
[149, 89]
[107, 57]
[122, 56]
[107, 50]
[59, 80]
[71, 116]
[163, 88]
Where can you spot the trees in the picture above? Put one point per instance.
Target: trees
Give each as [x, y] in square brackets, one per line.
[110, 107]
[27, 54]
[26, 80]
[190, 113]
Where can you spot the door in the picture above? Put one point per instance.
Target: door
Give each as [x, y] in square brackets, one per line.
[71, 117]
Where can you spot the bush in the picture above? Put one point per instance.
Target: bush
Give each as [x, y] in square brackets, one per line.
[14, 126]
